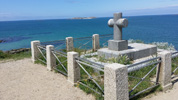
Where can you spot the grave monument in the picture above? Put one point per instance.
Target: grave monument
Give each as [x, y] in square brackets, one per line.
[117, 46]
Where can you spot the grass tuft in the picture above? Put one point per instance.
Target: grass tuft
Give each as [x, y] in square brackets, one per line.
[17, 56]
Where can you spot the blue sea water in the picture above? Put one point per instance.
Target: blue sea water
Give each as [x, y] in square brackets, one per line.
[18, 34]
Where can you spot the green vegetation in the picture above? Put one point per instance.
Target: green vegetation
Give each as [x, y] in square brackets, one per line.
[90, 56]
[175, 65]
[160, 45]
[164, 45]
[98, 76]
[82, 51]
[132, 81]
[17, 56]
[62, 59]
[41, 59]
[120, 59]
[139, 74]
[64, 63]
[135, 41]
[145, 84]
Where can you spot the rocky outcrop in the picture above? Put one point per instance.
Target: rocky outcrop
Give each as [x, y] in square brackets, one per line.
[14, 51]
[1, 41]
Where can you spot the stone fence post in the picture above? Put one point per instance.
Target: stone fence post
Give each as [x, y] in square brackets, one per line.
[34, 50]
[69, 44]
[96, 43]
[116, 82]
[73, 67]
[165, 69]
[50, 58]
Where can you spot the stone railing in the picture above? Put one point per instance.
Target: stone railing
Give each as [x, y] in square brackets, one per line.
[115, 75]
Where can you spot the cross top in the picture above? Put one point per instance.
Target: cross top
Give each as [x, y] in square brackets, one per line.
[118, 23]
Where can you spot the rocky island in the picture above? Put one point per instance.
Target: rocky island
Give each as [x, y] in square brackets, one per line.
[83, 18]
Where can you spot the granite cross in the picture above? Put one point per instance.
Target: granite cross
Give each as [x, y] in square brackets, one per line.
[118, 23]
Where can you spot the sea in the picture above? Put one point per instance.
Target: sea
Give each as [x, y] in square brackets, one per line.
[153, 28]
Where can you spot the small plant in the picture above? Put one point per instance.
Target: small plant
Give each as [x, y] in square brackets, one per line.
[102, 58]
[164, 45]
[135, 41]
[160, 45]
[122, 59]
[90, 56]
[80, 51]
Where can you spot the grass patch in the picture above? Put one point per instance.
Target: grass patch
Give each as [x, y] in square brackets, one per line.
[64, 63]
[120, 59]
[41, 58]
[17, 56]
[96, 76]
[144, 84]
[175, 65]
[132, 81]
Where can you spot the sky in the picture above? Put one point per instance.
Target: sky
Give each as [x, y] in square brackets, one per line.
[61, 9]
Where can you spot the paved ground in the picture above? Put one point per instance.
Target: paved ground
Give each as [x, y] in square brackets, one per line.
[22, 80]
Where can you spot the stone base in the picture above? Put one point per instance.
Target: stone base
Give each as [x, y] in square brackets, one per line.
[118, 45]
[134, 51]
[167, 87]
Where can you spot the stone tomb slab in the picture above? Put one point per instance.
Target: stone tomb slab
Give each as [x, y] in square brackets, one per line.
[134, 51]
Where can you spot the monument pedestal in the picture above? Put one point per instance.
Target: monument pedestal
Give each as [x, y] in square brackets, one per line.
[118, 45]
[134, 51]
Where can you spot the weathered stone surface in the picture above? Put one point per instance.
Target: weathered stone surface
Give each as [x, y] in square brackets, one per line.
[118, 45]
[116, 82]
[34, 50]
[118, 23]
[69, 44]
[96, 43]
[51, 60]
[134, 51]
[165, 70]
[73, 67]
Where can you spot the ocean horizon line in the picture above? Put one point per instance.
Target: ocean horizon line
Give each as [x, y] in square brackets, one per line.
[70, 18]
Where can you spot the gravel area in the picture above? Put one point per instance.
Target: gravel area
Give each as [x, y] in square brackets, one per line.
[23, 80]
[171, 94]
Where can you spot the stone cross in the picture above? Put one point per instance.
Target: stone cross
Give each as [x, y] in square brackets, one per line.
[118, 23]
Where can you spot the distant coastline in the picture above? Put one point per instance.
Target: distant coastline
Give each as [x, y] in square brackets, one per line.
[83, 18]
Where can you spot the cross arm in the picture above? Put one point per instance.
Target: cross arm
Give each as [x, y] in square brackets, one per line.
[123, 22]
